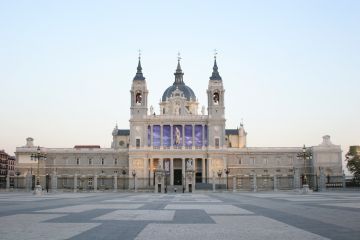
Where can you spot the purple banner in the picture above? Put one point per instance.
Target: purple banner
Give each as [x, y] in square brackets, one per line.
[198, 135]
[166, 136]
[188, 135]
[177, 135]
[156, 135]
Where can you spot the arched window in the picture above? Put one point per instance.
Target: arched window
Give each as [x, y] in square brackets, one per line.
[216, 97]
[138, 98]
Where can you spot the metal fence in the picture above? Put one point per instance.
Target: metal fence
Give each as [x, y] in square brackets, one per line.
[126, 183]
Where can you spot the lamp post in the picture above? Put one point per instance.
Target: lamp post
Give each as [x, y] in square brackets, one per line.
[305, 155]
[37, 157]
[123, 172]
[219, 173]
[134, 175]
[227, 171]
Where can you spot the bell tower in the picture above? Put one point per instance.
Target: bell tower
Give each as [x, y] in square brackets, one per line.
[138, 109]
[139, 94]
[216, 108]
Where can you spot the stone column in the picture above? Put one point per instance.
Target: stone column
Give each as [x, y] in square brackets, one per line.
[254, 183]
[275, 183]
[203, 170]
[171, 136]
[161, 136]
[115, 182]
[183, 166]
[53, 182]
[183, 136]
[95, 182]
[234, 184]
[75, 182]
[203, 135]
[171, 171]
[151, 136]
[193, 136]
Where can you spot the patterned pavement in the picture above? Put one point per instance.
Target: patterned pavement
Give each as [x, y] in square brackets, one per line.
[275, 215]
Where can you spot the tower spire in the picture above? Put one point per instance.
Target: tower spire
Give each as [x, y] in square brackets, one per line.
[139, 75]
[178, 73]
[215, 74]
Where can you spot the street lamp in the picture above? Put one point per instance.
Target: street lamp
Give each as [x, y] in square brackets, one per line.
[134, 175]
[227, 171]
[305, 155]
[123, 172]
[37, 157]
[219, 173]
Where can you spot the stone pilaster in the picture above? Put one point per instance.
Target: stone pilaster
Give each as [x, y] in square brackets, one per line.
[115, 182]
[275, 183]
[95, 183]
[75, 182]
[171, 171]
[234, 184]
[254, 183]
[53, 182]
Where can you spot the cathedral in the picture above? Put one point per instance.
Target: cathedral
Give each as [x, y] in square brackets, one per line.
[181, 147]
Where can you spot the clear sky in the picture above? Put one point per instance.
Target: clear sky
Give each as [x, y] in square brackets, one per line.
[290, 68]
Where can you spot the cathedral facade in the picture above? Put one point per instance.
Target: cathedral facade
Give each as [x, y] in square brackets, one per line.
[180, 147]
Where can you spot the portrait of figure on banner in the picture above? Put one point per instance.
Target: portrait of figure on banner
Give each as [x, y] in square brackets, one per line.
[177, 136]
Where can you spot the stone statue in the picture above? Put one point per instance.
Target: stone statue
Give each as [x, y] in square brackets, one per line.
[189, 164]
[151, 110]
[203, 110]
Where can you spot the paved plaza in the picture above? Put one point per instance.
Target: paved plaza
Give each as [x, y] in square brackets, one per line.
[272, 215]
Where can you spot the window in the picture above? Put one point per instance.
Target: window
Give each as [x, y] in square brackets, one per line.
[138, 142]
[90, 161]
[217, 142]
[102, 161]
[77, 161]
[138, 98]
[90, 182]
[239, 160]
[115, 162]
[121, 143]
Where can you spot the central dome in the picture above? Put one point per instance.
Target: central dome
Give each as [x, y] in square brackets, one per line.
[180, 85]
[188, 92]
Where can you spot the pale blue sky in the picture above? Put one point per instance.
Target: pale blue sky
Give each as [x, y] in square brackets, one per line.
[290, 68]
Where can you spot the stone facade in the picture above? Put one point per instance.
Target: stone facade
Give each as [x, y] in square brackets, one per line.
[179, 147]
